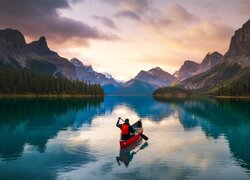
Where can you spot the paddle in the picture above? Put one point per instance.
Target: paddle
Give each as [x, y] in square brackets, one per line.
[142, 147]
[142, 135]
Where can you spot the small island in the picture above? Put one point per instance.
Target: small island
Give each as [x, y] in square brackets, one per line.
[172, 92]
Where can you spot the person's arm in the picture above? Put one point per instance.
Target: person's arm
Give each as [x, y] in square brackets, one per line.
[117, 123]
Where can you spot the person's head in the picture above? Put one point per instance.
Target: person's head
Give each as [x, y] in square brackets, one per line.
[127, 120]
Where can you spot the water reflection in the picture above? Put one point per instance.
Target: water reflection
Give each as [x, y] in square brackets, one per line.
[76, 138]
[35, 121]
[127, 154]
[220, 118]
[145, 107]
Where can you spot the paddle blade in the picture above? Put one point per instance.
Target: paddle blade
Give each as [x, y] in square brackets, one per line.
[144, 146]
[144, 137]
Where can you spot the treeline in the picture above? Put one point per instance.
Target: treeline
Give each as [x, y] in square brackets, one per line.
[236, 88]
[30, 111]
[26, 82]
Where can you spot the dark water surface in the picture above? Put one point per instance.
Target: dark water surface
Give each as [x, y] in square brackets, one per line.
[77, 139]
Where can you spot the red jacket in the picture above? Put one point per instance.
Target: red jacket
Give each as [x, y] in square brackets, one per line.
[125, 129]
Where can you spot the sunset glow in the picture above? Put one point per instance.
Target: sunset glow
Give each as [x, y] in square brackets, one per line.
[123, 37]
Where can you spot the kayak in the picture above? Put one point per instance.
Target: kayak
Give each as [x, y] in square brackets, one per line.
[135, 137]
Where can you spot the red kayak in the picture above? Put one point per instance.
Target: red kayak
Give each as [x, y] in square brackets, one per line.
[135, 137]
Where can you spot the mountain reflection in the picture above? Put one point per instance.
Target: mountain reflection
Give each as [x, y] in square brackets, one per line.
[35, 121]
[145, 107]
[223, 117]
[76, 138]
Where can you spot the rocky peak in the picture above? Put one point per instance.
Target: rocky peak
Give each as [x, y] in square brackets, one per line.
[107, 75]
[189, 67]
[156, 71]
[42, 43]
[41, 47]
[155, 76]
[142, 72]
[78, 64]
[210, 60]
[189, 64]
[11, 39]
[187, 70]
[240, 43]
[213, 55]
[87, 74]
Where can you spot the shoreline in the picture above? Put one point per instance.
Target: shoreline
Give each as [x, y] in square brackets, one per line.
[233, 97]
[206, 96]
[125, 95]
[49, 96]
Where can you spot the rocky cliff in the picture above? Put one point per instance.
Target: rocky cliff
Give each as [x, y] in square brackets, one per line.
[210, 60]
[87, 74]
[191, 68]
[187, 70]
[234, 66]
[36, 56]
[239, 49]
[155, 76]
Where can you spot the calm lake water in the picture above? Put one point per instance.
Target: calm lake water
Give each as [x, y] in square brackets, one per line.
[77, 139]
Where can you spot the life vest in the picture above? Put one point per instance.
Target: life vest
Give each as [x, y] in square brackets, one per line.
[125, 129]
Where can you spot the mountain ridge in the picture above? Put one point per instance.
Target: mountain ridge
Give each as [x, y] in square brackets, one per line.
[214, 69]
[87, 74]
[146, 82]
[35, 56]
[235, 60]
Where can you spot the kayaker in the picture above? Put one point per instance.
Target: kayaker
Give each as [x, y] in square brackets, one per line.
[126, 129]
[125, 156]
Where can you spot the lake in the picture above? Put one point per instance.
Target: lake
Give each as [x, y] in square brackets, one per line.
[77, 138]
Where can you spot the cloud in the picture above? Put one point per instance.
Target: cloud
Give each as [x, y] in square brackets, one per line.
[200, 38]
[175, 17]
[179, 13]
[106, 21]
[132, 9]
[128, 14]
[137, 6]
[36, 18]
[182, 32]
[245, 7]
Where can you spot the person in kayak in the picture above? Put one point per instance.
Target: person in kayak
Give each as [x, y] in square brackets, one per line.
[126, 129]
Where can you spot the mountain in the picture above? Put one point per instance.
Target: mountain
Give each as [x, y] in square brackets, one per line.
[83, 72]
[233, 67]
[210, 60]
[187, 70]
[239, 85]
[239, 52]
[239, 49]
[136, 88]
[218, 74]
[156, 77]
[35, 56]
[87, 74]
[191, 68]
[147, 81]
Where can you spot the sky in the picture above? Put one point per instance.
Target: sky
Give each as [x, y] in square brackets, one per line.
[122, 37]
